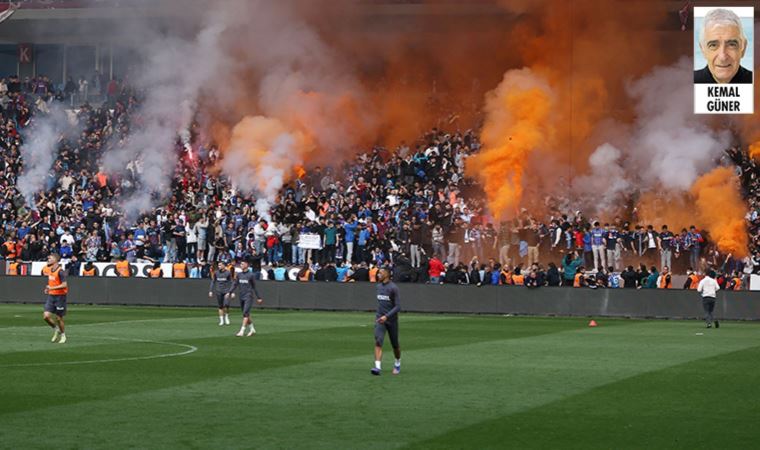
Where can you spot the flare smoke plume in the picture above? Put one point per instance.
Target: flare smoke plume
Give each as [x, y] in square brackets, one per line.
[587, 99]
[719, 189]
[39, 150]
[622, 121]
[517, 124]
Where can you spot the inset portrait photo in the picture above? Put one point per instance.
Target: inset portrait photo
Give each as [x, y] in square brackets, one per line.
[723, 45]
[724, 60]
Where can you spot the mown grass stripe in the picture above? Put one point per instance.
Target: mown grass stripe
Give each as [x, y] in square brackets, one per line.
[312, 389]
[679, 406]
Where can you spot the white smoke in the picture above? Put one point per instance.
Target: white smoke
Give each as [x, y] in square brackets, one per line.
[40, 148]
[607, 182]
[260, 158]
[175, 72]
[244, 47]
[671, 146]
[666, 148]
[302, 87]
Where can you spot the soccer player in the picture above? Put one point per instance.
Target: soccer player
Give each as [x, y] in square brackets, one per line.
[55, 305]
[221, 287]
[245, 283]
[388, 307]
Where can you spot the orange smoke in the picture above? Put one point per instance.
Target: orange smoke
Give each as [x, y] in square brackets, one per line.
[335, 120]
[300, 171]
[582, 48]
[219, 134]
[714, 204]
[721, 210]
[262, 154]
[674, 209]
[754, 151]
[518, 111]
[391, 80]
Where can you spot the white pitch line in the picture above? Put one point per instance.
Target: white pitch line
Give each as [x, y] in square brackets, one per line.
[112, 322]
[190, 349]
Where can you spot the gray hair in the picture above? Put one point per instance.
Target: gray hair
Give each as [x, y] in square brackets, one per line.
[720, 16]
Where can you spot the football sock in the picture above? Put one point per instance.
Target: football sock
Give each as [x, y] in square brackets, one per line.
[398, 362]
[377, 365]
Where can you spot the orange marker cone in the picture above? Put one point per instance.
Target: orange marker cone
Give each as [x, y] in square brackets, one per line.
[593, 323]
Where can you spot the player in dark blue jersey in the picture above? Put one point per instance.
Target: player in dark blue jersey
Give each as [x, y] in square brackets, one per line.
[386, 320]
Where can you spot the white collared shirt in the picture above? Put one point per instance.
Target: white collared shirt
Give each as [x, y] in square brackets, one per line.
[708, 287]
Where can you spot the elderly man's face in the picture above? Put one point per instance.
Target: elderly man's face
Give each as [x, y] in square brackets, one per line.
[723, 48]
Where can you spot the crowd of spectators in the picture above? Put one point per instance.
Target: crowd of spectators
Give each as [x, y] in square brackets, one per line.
[411, 208]
[749, 173]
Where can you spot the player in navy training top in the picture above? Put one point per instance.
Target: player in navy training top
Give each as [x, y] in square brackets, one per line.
[388, 307]
[222, 285]
[245, 283]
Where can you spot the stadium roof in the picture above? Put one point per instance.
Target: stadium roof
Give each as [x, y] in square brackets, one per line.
[82, 21]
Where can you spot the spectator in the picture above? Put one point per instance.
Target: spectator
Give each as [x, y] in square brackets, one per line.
[652, 278]
[665, 244]
[191, 239]
[571, 264]
[613, 246]
[389, 209]
[597, 245]
[435, 269]
[694, 241]
[532, 280]
[553, 275]
[329, 237]
[579, 280]
[438, 240]
[280, 272]
[613, 278]
[665, 280]
[533, 239]
[360, 274]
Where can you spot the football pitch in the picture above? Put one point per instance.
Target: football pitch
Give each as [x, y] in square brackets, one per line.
[133, 377]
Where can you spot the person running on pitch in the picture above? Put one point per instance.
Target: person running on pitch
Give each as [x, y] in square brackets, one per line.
[388, 307]
[221, 286]
[245, 283]
[709, 288]
[55, 304]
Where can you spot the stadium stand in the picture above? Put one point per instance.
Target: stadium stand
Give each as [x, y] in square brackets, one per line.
[411, 209]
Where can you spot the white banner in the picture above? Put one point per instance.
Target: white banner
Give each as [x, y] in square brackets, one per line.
[140, 270]
[310, 240]
[754, 282]
[37, 267]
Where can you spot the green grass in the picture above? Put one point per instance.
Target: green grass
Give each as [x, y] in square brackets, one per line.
[468, 382]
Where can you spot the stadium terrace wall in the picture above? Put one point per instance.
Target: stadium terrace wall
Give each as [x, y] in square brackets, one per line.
[415, 297]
